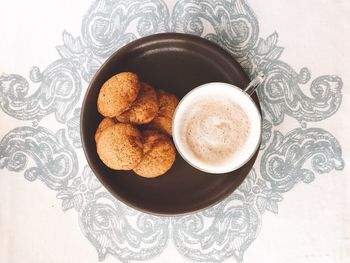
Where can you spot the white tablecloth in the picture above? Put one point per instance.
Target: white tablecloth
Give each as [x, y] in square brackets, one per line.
[293, 207]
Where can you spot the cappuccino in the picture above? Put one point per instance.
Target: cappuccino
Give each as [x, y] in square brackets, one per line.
[217, 127]
[214, 129]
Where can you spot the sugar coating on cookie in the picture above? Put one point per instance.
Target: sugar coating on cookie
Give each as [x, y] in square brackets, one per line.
[144, 109]
[159, 154]
[167, 105]
[120, 146]
[104, 124]
[117, 94]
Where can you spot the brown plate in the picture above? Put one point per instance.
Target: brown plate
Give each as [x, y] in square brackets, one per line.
[176, 63]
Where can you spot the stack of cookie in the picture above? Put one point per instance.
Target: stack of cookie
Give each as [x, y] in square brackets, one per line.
[136, 131]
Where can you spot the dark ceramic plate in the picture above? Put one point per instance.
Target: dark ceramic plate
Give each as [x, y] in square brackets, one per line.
[176, 63]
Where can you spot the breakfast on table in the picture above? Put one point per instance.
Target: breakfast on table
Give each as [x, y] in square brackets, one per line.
[136, 131]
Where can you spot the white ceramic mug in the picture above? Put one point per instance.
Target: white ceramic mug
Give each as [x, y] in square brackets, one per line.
[240, 97]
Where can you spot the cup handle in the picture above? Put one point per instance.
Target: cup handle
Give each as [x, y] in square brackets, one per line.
[254, 84]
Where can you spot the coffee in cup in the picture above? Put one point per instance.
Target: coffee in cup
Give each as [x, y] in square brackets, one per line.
[217, 127]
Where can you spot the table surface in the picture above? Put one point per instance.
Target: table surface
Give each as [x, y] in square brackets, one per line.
[293, 207]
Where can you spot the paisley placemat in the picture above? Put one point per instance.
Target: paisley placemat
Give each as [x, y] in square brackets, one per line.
[293, 206]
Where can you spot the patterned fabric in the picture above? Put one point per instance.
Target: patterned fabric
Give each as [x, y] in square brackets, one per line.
[224, 231]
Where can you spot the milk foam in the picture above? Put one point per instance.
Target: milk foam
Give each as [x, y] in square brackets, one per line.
[216, 127]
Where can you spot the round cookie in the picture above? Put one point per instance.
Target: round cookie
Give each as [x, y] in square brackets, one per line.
[120, 146]
[159, 154]
[164, 117]
[104, 124]
[117, 94]
[144, 109]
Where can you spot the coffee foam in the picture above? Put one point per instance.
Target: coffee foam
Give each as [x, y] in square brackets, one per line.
[216, 127]
[215, 130]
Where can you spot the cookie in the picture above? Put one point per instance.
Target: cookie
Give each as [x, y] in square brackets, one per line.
[104, 124]
[117, 94]
[164, 117]
[144, 109]
[159, 154]
[120, 146]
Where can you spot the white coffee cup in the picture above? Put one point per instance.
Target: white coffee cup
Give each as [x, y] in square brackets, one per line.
[215, 132]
